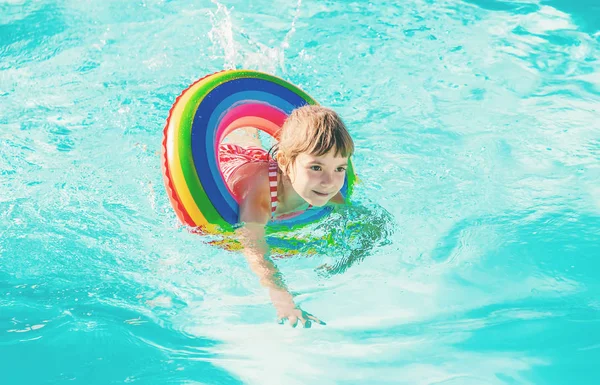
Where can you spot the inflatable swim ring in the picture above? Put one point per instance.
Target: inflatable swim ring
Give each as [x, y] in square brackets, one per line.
[201, 117]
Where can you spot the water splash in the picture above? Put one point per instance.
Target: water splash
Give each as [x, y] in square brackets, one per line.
[221, 35]
[248, 52]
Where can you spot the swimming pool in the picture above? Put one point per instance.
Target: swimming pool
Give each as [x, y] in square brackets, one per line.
[477, 128]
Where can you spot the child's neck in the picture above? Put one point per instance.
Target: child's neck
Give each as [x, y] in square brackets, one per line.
[289, 200]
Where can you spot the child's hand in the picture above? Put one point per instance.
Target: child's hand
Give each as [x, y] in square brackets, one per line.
[287, 310]
[296, 314]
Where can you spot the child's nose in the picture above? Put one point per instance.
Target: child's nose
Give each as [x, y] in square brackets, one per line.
[326, 179]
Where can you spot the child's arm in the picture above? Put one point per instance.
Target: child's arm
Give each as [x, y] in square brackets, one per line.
[255, 212]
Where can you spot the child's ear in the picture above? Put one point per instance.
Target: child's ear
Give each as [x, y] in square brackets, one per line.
[282, 162]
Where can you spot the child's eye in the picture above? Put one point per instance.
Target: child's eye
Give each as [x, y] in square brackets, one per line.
[340, 169]
[315, 168]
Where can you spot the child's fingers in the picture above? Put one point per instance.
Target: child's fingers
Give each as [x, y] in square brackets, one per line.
[311, 317]
[306, 319]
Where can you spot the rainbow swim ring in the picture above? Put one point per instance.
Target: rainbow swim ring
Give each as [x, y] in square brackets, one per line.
[201, 117]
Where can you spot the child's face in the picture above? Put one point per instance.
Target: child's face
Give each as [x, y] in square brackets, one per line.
[317, 179]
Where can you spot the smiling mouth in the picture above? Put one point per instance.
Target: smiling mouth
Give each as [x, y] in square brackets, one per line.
[320, 194]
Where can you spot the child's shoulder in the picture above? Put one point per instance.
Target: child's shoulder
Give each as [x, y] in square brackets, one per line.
[251, 178]
[253, 192]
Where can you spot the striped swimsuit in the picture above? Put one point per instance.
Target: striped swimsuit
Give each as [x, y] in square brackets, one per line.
[273, 187]
[232, 157]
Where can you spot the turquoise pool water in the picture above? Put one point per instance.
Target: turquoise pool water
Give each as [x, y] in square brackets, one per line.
[478, 130]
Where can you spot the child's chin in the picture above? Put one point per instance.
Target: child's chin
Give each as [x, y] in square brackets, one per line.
[318, 202]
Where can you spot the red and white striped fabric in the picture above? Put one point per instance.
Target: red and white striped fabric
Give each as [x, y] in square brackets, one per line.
[273, 186]
[232, 157]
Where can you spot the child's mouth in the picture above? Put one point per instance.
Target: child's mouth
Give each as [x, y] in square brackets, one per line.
[320, 194]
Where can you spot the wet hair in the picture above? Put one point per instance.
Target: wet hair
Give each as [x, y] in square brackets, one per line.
[312, 129]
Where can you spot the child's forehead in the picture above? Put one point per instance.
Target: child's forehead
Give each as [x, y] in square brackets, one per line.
[329, 156]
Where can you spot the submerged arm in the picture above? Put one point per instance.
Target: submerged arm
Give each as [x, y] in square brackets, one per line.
[255, 212]
[256, 251]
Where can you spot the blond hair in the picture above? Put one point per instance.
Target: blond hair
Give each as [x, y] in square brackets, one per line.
[312, 129]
